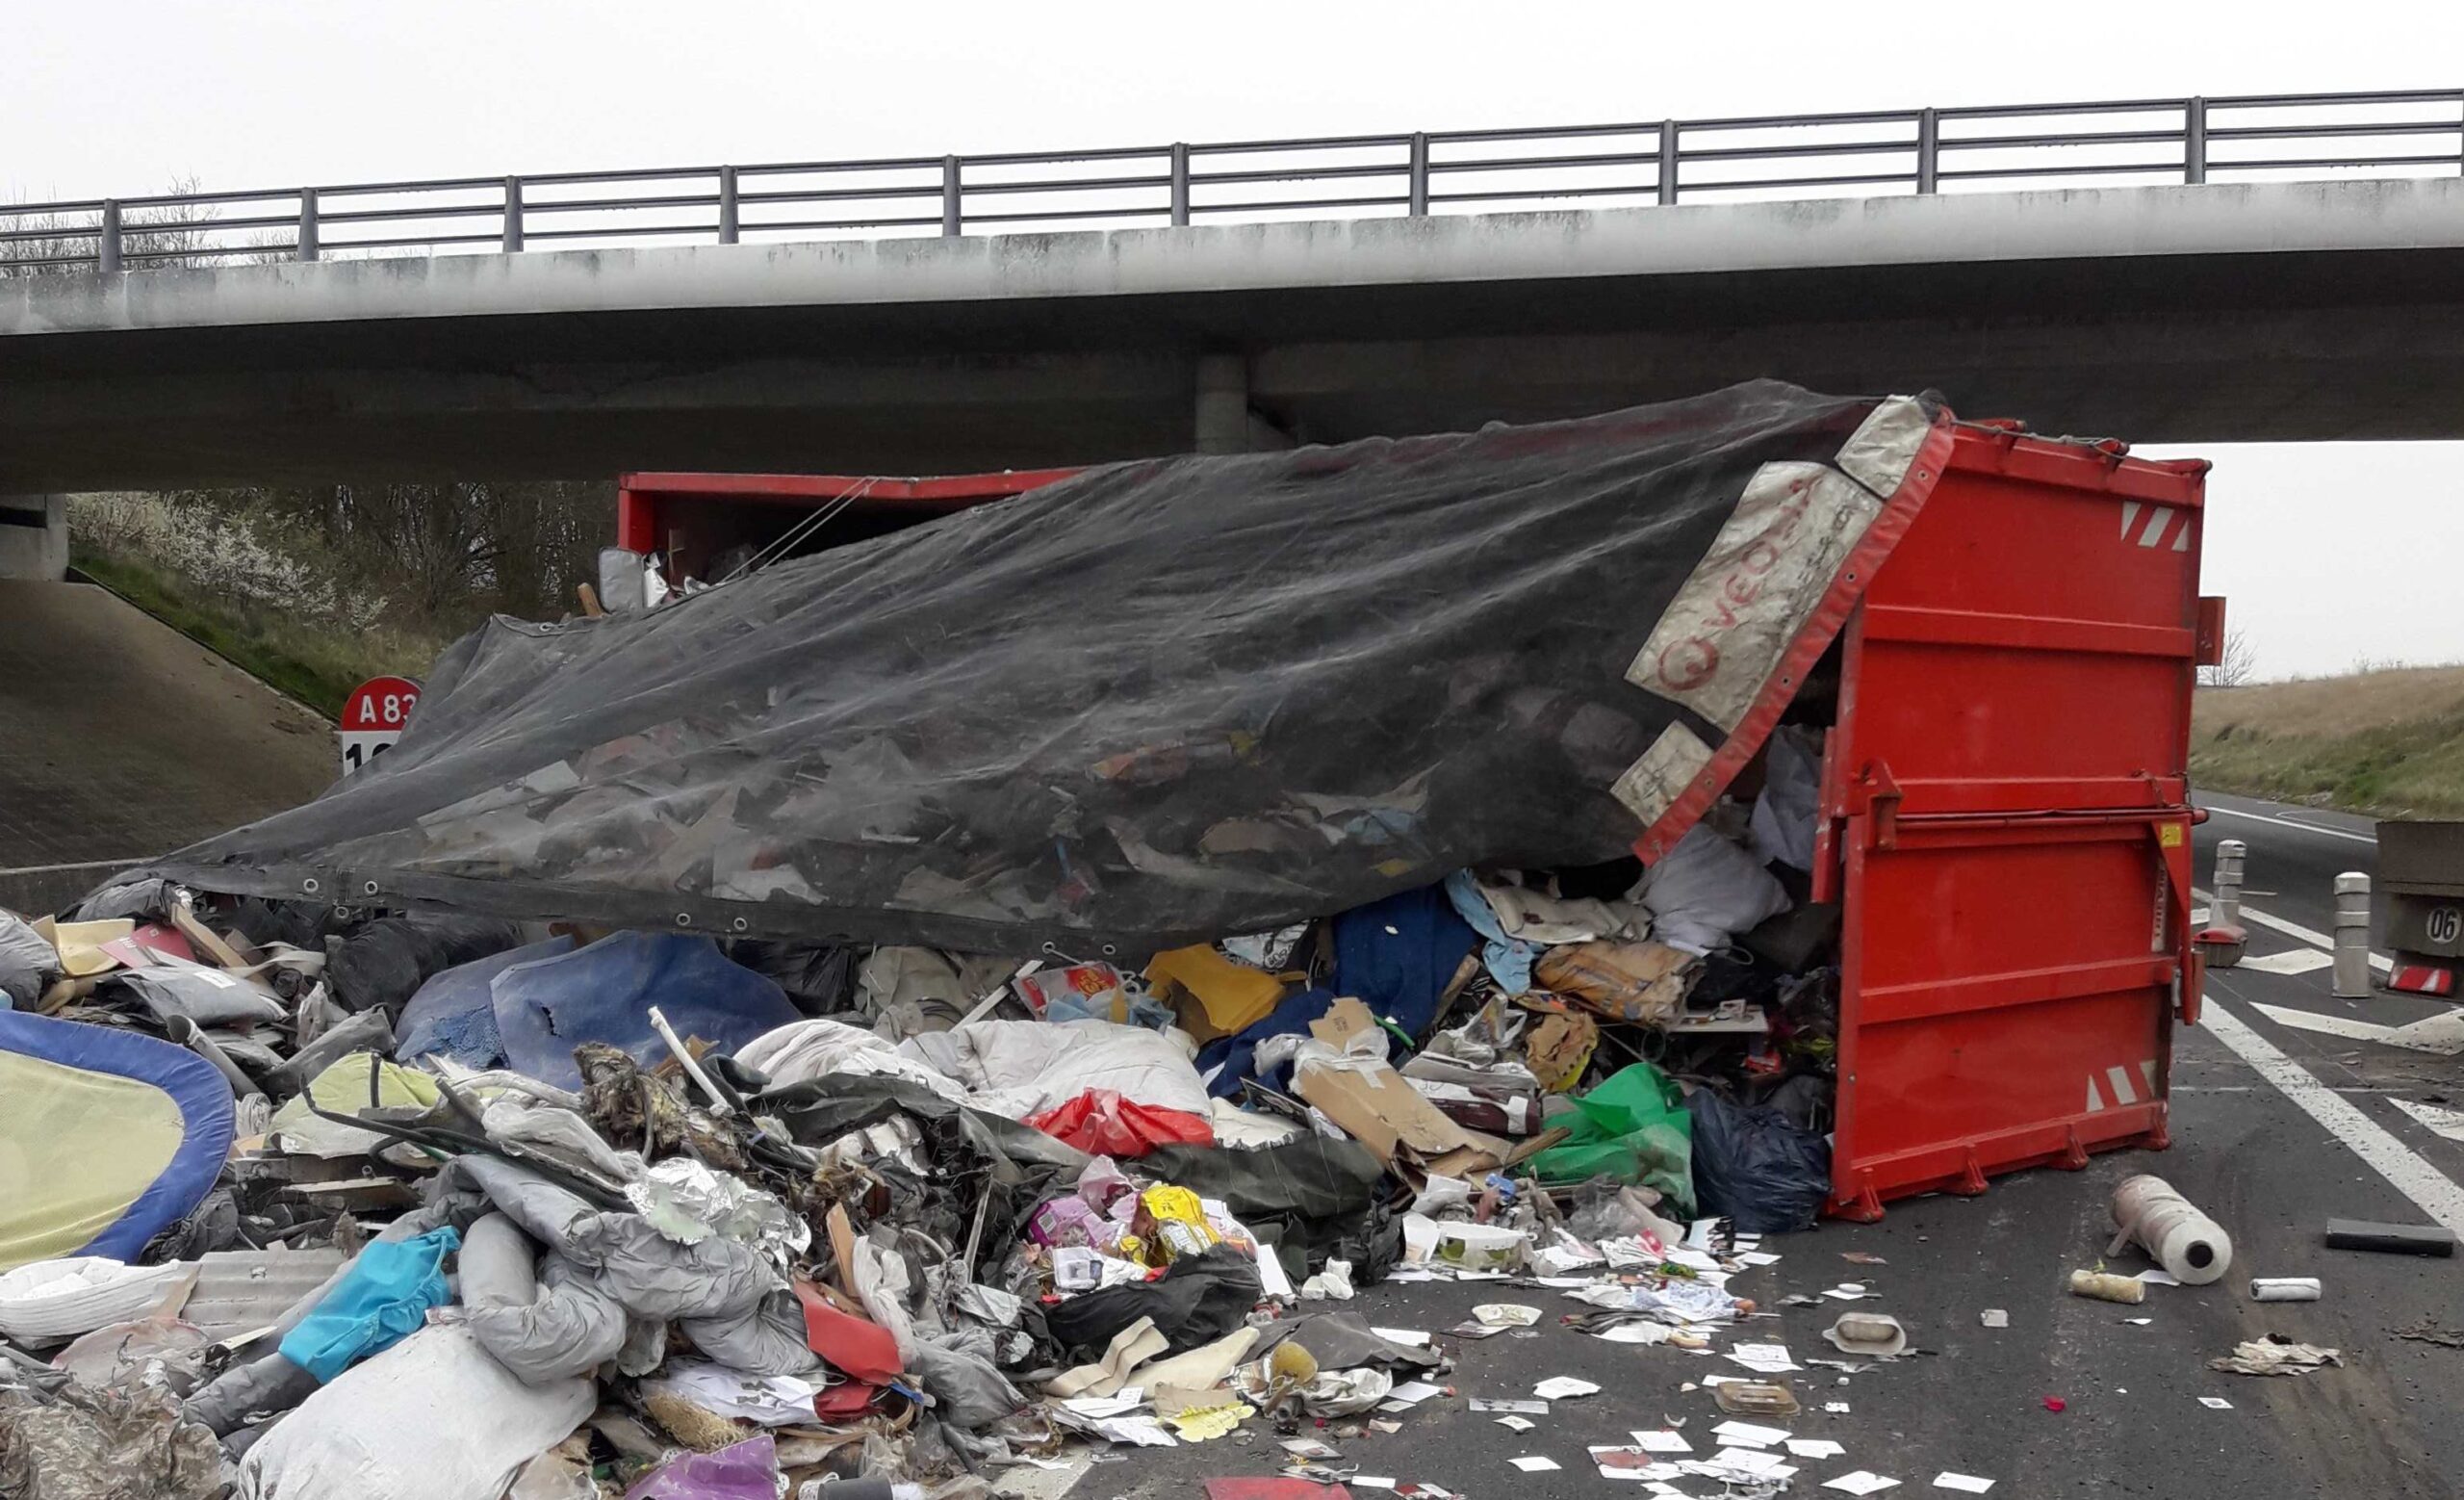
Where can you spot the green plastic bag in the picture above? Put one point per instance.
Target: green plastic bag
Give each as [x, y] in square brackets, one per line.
[1635, 1128]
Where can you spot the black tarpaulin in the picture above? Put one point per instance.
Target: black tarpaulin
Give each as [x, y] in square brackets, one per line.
[1153, 704]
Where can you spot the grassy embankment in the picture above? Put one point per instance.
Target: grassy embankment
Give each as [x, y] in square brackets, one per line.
[317, 665]
[2389, 742]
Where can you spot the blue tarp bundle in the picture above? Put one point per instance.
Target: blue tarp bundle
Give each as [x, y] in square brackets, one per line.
[603, 992]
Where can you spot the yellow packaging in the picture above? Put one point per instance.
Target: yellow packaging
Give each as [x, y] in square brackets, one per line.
[1170, 1223]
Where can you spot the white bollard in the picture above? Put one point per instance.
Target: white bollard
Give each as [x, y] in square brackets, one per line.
[2352, 936]
[2226, 910]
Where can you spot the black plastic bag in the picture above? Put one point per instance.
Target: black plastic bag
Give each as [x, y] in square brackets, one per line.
[1755, 1168]
[1313, 1198]
[1200, 1299]
[384, 963]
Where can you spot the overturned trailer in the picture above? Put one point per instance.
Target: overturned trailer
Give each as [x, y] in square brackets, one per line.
[1156, 703]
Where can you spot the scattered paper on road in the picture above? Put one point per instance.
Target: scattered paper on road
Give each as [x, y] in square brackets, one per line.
[1965, 1484]
[1514, 1403]
[1750, 1434]
[1414, 1393]
[1814, 1448]
[1408, 1337]
[1371, 1482]
[1836, 1408]
[1764, 1359]
[1863, 1482]
[1631, 1463]
[1662, 1442]
[1534, 1464]
[1759, 1257]
[1516, 1424]
[2215, 1402]
[1994, 1317]
[1563, 1388]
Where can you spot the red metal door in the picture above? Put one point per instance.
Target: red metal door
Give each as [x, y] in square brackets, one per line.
[2007, 796]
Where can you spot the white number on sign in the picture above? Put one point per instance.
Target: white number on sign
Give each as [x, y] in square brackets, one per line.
[2445, 923]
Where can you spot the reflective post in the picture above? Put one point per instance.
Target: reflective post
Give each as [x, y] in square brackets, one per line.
[2195, 140]
[107, 238]
[1668, 160]
[951, 218]
[1180, 183]
[1928, 150]
[727, 205]
[1420, 175]
[307, 224]
[2226, 910]
[512, 215]
[2352, 936]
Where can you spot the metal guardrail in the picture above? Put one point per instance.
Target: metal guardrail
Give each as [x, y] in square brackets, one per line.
[2412, 133]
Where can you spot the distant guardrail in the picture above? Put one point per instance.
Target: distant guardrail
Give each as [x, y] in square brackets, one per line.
[1866, 153]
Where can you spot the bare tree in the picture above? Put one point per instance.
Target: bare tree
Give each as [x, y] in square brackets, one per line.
[2238, 661]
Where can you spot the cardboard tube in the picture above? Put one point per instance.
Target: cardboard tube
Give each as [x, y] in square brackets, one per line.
[2105, 1286]
[2185, 1242]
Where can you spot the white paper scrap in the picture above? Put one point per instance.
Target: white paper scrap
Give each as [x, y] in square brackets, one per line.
[2139, 1322]
[1836, 1408]
[2158, 1279]
[1563, 1388]
[1534, 1465]
[2215, 1402]
[1764, 1359]
[1964, 1483]
[1759, 1257]
[1863, 1482]
[1750, 1434]
[1814, 1448]
[1516, 1424]
[1414, 1393]
[1371, 1482]
[1408, 1337]
[1758, 1463]
[1663, 1440]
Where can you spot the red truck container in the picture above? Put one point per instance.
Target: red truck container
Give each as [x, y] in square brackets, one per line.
[2005, 803]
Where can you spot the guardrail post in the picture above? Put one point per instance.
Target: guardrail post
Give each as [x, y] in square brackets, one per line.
[2226, 910]
[727, 205]
[1928, 150]
[2352, 937]
[1668, 160]
[512, 215]
[307, 246]
[953, 220]
[2195, 140]
[1420, 175]
[1180, 183]
[107, 238]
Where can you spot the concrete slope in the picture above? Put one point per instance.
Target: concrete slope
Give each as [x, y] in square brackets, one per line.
[121, 739]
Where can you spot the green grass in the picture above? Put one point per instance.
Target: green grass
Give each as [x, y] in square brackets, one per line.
[2413, 765]
[316, 665]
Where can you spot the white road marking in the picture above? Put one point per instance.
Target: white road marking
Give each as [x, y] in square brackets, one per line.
[2292, 961]
[2440, 1034]
[2430, 1190]
[2300, 934]
[2286, 823]
[2437, 1118]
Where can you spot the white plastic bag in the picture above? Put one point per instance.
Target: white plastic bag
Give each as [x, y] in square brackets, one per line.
[1707, 891]
[61, 1299]
[432, 1418]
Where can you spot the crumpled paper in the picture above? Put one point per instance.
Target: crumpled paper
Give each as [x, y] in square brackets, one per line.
[2270, 1356]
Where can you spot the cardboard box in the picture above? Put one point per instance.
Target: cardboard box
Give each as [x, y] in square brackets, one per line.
[1374, 1104]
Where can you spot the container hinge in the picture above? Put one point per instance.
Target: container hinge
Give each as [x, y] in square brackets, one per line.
[1877, 796]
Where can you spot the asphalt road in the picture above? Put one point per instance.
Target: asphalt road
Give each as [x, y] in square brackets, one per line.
[2277, 1129]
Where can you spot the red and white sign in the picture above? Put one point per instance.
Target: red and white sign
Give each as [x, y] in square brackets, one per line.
[375, 716]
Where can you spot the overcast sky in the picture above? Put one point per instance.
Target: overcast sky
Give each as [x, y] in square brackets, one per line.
[2331, 553]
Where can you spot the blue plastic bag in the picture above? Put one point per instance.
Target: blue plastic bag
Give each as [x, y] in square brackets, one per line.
[454, 1014]
[603, 992]
[380, 1301]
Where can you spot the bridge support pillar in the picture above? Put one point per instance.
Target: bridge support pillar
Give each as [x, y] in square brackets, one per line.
[1226, 422]
[33, 537]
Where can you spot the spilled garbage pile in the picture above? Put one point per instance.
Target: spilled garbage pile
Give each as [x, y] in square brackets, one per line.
[651, 1204]
[866, 1027]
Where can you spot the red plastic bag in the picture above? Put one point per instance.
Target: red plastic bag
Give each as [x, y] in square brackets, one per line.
[1101, 1122]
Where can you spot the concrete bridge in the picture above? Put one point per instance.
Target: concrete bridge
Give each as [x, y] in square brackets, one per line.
[2201, 311]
